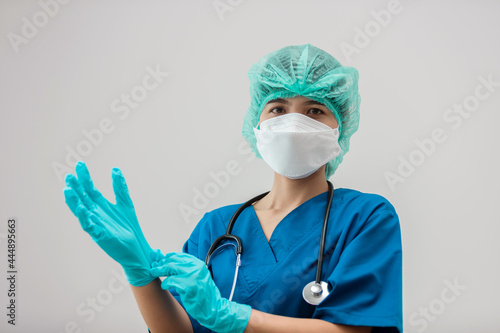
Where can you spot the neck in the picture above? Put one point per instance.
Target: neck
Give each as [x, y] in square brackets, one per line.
[289, 193]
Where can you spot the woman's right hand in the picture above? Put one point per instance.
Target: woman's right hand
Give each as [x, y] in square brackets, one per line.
[114, 227]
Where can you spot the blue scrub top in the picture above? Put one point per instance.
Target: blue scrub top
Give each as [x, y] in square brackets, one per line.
[362, 261]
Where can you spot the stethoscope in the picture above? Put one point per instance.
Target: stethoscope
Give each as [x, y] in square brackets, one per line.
[315, 291]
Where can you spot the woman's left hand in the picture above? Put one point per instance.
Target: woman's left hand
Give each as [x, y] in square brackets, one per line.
[201, 298]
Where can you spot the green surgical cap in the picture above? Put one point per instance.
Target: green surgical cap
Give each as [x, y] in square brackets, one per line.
[305, 70]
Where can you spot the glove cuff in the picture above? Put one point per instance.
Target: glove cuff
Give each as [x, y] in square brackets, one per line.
[236, 319]
[140, 275]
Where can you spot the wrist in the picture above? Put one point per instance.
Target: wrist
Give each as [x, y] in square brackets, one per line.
[139, 273]
[238, 316]
[138, 277]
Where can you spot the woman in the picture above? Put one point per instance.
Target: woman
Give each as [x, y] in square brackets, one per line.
[304, 108]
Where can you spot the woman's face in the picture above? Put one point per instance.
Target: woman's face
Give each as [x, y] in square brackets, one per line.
[299, 104]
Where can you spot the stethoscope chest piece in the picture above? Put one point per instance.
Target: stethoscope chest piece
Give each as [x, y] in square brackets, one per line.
[314, 293]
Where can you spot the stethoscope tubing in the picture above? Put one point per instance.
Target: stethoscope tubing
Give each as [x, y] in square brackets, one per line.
[229, 229]
[239, 248]
[323, 233]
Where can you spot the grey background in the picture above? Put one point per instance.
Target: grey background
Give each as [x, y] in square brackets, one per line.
[64, 79]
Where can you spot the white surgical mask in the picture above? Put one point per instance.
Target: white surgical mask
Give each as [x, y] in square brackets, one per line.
[295, 145]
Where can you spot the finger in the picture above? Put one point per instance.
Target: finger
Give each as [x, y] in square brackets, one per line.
[176, 283]
[165, 266]
[90, 223]
[158, 269]
[72, 200]
[182, 285]
[170, 257]
[94, 228]
[156, 255]
[73, 183]
[120, 188]
[84, 178]
[176, 263]
[79, 210]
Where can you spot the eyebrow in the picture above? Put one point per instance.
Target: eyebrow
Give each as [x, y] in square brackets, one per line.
[284, 101]
[311, 102]
[278, 100]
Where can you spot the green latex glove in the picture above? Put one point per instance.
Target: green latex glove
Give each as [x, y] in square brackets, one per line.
[201, 298]
[114, 227]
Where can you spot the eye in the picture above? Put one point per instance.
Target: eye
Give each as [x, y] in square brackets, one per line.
[315, 111]
[277, 110]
